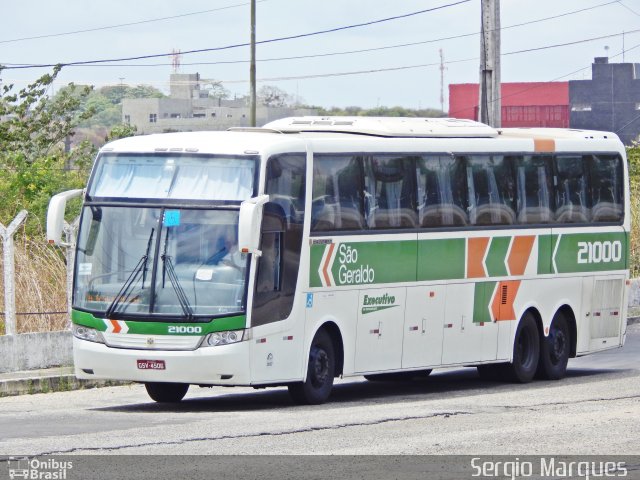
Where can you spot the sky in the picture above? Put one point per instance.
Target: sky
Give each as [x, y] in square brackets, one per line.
[407, 76]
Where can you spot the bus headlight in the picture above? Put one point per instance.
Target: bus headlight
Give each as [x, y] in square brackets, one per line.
[86, 333]
[223, 338]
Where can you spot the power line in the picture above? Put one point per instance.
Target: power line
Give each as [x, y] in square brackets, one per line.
[110, 27]
[628, 8]
[347, 52]
[408, 67]
[229, 47]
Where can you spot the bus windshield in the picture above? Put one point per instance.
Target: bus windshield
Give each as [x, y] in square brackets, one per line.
[154, 262]
[173, 176]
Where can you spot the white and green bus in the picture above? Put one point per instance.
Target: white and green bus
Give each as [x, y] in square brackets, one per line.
[316, 248]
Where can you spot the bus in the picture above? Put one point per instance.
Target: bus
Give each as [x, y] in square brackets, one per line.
[322, 247]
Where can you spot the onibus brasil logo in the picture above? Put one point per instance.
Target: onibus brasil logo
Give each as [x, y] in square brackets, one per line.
[350, 272]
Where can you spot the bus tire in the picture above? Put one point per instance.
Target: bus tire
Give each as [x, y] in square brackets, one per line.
[166, 392]
[398, 376]
[526, 351]
[554, 350]
[320, 372]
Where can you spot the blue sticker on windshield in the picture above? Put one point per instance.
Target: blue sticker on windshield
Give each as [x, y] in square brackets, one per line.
[171, 218]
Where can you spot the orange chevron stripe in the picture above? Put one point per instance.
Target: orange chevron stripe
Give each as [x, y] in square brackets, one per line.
[476, 250]
[116, 326]
[519, 255]
[326, 265]
[503, 298]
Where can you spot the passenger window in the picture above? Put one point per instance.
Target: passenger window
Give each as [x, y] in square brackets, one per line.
[337, 194]
[534, 189]
[572, 199]
[442, 191]
[491, 190]
[606, 188]
[390, 192]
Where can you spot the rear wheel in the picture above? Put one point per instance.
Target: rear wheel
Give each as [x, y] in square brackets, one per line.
[320, 372]
[398, 376]
[526, 351]
[554, 350]
[167, 392]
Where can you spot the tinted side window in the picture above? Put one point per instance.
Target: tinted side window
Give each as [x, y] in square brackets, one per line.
[573, 202]
[390, 192]
[338, 202]
[606, 188]
[534, 184]
[442, 191]
[491, 190]
[286, 185]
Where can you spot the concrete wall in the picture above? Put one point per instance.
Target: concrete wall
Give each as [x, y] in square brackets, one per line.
[30, 351]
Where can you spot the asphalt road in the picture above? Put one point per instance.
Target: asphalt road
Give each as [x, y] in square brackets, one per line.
[595, 410]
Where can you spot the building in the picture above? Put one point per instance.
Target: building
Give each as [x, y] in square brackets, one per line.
[191, 107]
[534, 104]
[610, 101]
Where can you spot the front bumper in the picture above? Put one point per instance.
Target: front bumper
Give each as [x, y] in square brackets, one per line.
[221, 365]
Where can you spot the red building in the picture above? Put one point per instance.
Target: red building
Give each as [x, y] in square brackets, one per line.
[532, 104]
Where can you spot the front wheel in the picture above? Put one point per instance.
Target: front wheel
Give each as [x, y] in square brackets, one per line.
[554, 350]
[167, 392]
[526, 351]
[320, 372]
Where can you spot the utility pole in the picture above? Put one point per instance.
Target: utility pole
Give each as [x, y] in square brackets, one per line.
[442, 68]
[252, 68]
[489, 106]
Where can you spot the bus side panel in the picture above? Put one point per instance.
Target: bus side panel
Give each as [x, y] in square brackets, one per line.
[278, 349]
[423, 326]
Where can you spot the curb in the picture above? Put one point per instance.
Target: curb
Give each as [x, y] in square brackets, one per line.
[52, 383]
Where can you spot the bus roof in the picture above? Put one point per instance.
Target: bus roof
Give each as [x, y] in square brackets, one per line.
[386, 126]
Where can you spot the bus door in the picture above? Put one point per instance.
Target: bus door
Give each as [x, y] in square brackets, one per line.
[379, 330]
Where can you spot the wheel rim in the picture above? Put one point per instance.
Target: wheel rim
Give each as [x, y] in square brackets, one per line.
[558, 343]
[319, 367]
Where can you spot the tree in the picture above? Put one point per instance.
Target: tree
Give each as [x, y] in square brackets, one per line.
[33, 123]
[33, 160]
[121, 130]
[271, 96]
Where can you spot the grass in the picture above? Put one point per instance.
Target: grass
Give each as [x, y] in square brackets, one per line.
[40, 286]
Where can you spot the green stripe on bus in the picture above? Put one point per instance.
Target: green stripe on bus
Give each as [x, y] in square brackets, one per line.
[590, 252]
[237, 322]
[441, 259]
[378, 262]
[496, 257]
[481, 300]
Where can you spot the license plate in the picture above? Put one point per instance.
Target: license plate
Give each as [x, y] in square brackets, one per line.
[151, 365]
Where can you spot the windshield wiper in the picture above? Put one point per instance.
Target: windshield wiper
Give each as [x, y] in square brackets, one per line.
[140, 268]
[168, 268]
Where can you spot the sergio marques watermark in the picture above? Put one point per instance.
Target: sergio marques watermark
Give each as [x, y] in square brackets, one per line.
[548, 467]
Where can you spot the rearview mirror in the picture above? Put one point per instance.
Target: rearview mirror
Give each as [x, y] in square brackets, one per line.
[249, 224]
[55, 215]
